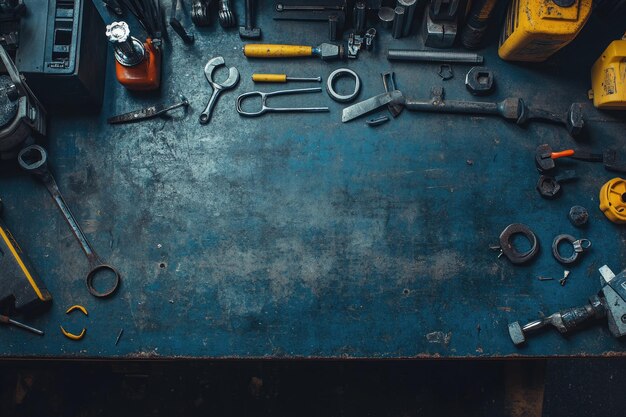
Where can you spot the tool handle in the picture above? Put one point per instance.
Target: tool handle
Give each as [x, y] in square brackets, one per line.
[562, 154]
[269, 78]
[262, 50]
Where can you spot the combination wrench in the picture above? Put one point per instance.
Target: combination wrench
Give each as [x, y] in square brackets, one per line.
[34, 159]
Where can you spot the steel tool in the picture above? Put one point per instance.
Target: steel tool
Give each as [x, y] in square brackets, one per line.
[389, 82]
[398, 22]
[415, 55]
[545, 158]
[178, 27]
[334, 12]
[34, 159]
[507, 249]
[371, 104]
[147, 113]
[359, 16]
[512, 108]
[479, 81]
[231, 82]
[249, 31]
[549, 187]
[305, 8]
[440, 23]
[610, 302]
[343, 98]
[578, 247]
[266, 109]
[356, 42]
[409, 9]
[7, 320]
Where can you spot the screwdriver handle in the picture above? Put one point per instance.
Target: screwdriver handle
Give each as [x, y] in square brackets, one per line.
[266, 50]
[269, 78]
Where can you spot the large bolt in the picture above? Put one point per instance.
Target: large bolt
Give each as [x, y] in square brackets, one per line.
[129, 51]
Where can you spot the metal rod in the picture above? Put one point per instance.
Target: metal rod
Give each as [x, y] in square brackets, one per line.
[415, 55]
[398, 22]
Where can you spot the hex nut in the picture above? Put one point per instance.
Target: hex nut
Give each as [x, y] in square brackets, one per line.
[479, 81]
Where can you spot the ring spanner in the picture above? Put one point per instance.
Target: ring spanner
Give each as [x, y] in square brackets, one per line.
[34, 159]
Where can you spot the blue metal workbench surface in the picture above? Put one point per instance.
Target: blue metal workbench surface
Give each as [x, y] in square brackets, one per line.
[298, 236]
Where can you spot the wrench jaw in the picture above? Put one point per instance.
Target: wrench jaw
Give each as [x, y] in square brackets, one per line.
[231, 82]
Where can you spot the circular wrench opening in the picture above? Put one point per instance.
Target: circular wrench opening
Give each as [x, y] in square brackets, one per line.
[104, 273]
[508, 247]
[330, 85]
[575, 248]
[32, 157]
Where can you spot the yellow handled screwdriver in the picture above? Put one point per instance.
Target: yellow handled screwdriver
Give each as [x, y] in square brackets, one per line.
[326, 51]
[281, 78]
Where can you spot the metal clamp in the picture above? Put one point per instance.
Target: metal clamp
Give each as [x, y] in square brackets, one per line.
[579, 245]
[331, 80]
[506, 246]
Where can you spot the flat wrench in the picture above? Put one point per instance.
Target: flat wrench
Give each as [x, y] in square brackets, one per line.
[34, 159]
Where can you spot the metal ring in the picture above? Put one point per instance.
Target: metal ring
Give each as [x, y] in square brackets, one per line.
[92, 275]
[336, 74]
[510, 252]
[578, 245]
[42, 157]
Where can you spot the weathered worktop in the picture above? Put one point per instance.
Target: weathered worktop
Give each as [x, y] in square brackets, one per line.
[299, 236]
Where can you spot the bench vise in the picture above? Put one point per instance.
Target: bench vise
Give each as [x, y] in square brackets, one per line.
[610, 302]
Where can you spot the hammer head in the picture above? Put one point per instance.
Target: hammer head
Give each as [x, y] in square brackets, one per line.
[329, 51]
[249, 33]
[575, 120]
[543, 158]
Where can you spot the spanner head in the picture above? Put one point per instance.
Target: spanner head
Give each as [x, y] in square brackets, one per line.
[233, 74]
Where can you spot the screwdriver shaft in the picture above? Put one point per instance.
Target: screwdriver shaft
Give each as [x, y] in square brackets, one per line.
[315, 79]
[281, 78]
[7, 320]
[26, 327]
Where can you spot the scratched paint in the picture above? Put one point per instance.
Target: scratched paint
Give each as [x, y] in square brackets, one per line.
[300, 236]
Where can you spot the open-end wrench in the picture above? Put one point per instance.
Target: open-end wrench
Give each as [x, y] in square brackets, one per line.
[231, 82]
[34, 159]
